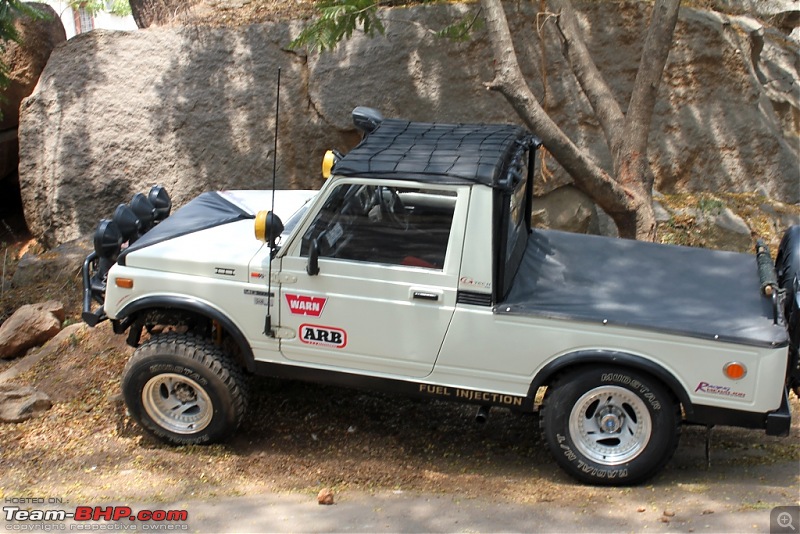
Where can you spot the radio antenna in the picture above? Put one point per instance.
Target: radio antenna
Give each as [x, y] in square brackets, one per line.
[271, 238]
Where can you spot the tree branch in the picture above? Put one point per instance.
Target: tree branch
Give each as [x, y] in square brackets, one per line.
[509, 81]
[651, 68]
[592, 83]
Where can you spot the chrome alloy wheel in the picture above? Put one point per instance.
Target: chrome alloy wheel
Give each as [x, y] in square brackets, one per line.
[177, 403]
[610, 425]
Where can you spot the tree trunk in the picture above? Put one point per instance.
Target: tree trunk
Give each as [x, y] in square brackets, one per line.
[139, 12]
[157, 12]
[627, 196]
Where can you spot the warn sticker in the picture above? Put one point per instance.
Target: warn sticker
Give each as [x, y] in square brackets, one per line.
[305, 305]
[327, 336]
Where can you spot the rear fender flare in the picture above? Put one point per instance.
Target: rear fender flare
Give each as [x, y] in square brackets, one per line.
[612, 358]
[192, 305]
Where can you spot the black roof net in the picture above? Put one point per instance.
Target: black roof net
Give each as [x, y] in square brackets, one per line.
[445, 153]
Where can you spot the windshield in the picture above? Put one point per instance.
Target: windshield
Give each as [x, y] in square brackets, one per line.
[374, 223]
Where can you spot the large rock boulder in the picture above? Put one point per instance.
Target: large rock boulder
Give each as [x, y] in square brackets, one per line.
[565, 208]
[192, 108]
[29, 326]
[26, 60]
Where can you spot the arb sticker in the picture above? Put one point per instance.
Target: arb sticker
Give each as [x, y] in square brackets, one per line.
[327, 336]
[305, 305]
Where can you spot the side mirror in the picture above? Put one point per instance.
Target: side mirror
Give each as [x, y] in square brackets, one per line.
[313, 259]
[268, 227]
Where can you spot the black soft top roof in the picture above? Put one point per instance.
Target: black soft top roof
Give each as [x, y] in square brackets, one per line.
[443, 153]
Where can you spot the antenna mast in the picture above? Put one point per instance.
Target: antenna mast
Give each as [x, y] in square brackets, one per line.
[270, 298]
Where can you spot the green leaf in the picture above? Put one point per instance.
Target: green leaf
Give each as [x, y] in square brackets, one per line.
[337, 21]
[462, 28]
[120, 8]
[10, 11]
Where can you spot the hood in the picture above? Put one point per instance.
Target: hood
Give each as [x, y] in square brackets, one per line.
[212, 235]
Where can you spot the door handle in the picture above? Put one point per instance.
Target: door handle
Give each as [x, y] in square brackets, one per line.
[425, 295]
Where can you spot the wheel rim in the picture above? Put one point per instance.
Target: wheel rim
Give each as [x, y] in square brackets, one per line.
[610, 425]
[177, 403]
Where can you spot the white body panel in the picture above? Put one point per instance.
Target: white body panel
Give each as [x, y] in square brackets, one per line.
[222, 252]
[365, 319]
[503, 353]
[377, 307]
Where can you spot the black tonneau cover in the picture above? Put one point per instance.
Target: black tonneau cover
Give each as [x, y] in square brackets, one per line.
[678, 290]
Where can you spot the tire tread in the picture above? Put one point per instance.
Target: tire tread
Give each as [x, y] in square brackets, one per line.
[207, 354]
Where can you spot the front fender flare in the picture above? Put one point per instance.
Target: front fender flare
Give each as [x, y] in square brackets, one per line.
[193, 305]
[616, 359]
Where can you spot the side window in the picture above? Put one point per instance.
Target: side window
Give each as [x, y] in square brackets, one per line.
[380, 224]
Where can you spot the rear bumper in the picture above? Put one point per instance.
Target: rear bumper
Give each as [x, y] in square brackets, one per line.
[775, 423]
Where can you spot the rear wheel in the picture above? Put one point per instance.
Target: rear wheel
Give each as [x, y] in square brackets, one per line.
[184, 390]
[787, 265]
[610, 426]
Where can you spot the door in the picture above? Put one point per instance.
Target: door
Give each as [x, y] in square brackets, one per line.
[388, 272]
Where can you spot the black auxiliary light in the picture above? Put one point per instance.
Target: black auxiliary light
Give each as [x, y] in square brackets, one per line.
[160, 200]
[144, 210]
[128, 223]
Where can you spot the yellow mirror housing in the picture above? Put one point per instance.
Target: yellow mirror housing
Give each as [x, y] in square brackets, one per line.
[328, 161]
[261, 225]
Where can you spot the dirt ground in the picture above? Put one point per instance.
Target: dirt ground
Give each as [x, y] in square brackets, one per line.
[299, 438]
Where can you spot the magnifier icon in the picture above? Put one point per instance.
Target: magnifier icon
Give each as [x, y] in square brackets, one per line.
[785, 521]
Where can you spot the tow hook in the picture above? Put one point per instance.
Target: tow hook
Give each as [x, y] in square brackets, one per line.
[483, 414]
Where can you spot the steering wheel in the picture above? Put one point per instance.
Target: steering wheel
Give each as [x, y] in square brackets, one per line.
[393, 207]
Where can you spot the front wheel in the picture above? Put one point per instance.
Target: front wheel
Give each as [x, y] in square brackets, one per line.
[610, 426]
[184, 389]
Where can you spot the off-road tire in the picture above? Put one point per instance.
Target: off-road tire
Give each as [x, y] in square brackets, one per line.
[640, 416]
[787, 265]
[185, 390]
[787, 260]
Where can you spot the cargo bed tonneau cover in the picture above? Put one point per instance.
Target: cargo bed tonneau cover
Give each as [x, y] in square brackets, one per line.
[678, 290]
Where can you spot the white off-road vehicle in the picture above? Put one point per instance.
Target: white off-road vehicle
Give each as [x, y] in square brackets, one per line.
[415, 270]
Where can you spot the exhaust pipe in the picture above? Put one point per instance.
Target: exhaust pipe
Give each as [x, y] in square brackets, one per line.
[482, 415]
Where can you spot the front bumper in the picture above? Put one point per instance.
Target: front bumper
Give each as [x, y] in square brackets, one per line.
[94, 288]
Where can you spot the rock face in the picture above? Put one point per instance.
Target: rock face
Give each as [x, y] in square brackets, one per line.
[565, 208]
[25, 63]
[62, 263]
[27, 60]
[30, 326]
[193, 108]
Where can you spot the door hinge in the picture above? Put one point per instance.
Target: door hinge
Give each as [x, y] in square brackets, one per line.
[281, 332]
[283, 278]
